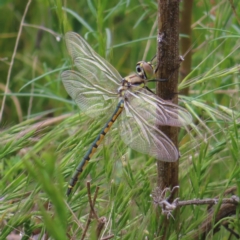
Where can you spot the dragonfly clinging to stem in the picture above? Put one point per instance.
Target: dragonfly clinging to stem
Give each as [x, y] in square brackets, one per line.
[97, 88]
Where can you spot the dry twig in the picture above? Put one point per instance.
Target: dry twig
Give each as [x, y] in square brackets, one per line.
[227, 207]
[101, 221]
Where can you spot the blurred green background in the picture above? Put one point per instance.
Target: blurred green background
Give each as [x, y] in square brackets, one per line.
[41, 145]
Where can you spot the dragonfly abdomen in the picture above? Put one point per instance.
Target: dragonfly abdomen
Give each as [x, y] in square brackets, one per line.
[94, 146]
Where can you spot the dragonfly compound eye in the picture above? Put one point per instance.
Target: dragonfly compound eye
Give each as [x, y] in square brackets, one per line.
[139, 69]
[148, 70]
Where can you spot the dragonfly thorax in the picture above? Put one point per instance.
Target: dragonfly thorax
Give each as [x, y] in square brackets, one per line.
[131, 83]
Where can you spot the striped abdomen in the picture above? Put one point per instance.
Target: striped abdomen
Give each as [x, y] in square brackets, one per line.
[94, 147]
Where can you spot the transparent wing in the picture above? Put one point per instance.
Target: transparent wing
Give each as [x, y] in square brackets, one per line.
[83, 54]
[156, 110]
[87, 96]
[94, 85]
[143, 111]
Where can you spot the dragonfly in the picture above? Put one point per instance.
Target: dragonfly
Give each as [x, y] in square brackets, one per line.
[99, 90]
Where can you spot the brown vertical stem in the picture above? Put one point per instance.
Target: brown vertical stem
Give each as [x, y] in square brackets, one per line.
[168, 63]
[186, 41]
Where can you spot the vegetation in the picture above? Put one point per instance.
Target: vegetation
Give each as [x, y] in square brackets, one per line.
[44, 135]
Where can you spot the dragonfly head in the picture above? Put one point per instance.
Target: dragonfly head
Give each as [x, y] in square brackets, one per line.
[145, 70]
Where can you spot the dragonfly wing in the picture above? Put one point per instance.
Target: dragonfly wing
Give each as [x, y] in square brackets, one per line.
[158, 111]
[143, 112]
[145, 138]
[94, 84]
[88, 97]
[85, 57]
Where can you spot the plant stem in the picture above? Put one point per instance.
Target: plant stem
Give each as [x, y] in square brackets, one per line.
[168, 64]
[168, 60]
